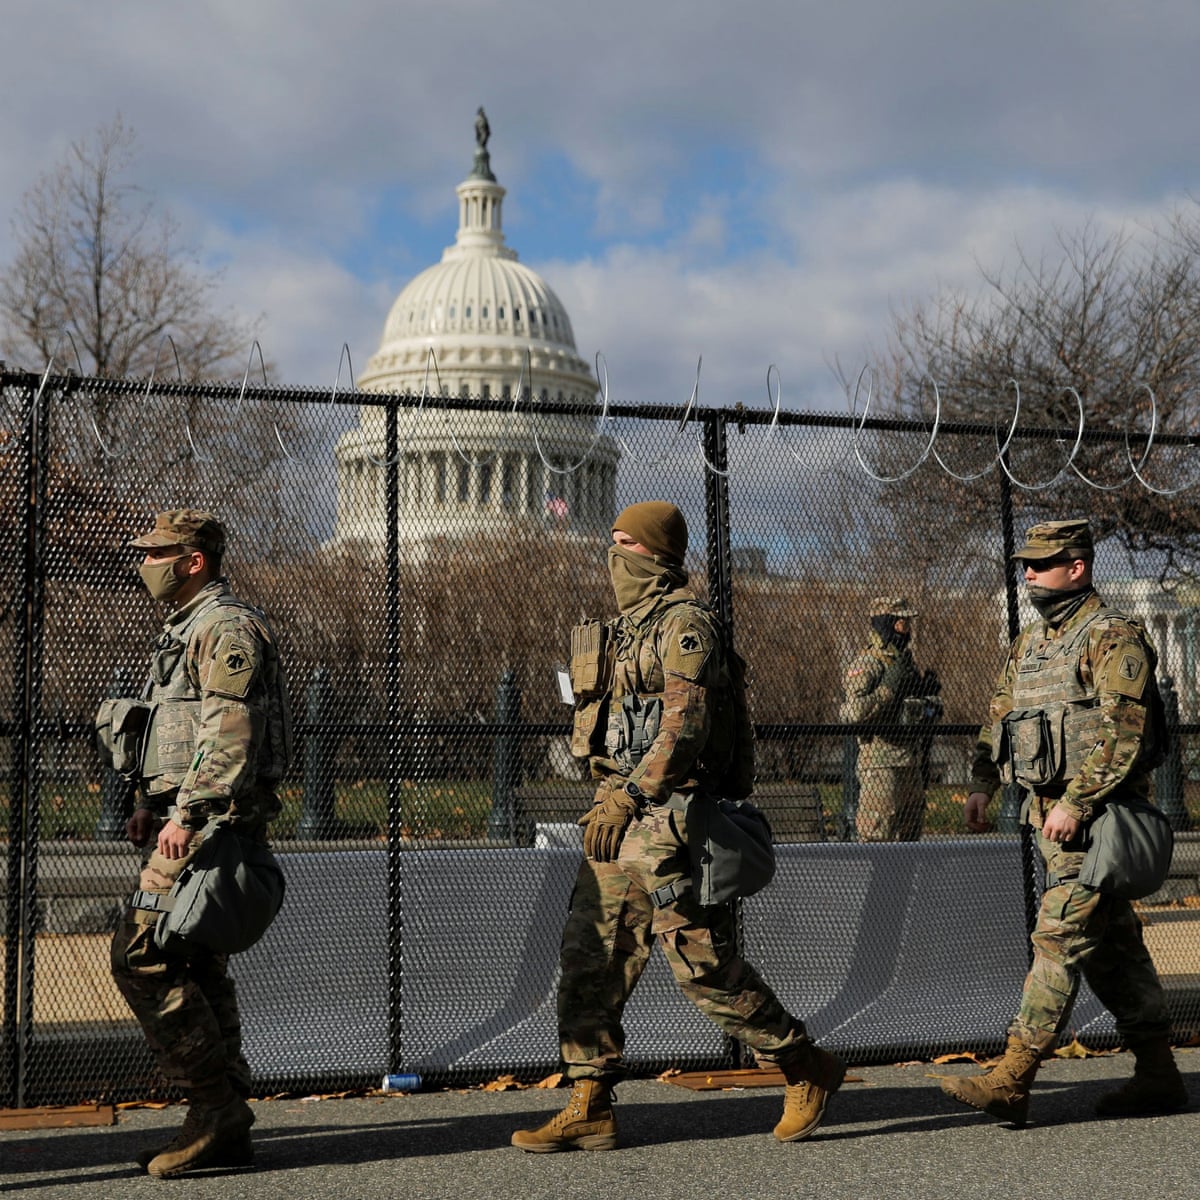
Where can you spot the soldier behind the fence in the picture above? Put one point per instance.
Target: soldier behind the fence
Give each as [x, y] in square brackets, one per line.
[662, 727]
[882, 686]
[1073, 721]
[217, 743]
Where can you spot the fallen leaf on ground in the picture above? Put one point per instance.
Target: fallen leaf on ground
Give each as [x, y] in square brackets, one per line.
[503, 1083]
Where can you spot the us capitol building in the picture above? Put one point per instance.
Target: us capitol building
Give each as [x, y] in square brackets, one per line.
[477, 324]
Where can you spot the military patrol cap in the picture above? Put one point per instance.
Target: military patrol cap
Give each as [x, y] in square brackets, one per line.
[1057, 539]
[892, 606]
[184, 527]
[659, 526]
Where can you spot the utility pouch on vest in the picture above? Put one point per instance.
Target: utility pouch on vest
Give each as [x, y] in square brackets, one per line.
[591, 670]
[587, 729]
[591, 660]
[120, 728]
[1129, 849]
[1023, 747]
[224, 899]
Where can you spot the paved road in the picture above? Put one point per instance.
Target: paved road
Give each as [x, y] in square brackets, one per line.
[890, 1133]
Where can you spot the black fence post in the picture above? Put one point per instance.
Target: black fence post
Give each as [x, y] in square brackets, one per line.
[1008, 820]
[116, 792]
[317, 815]
[1168, 776]
[848, 820]
[503, 820]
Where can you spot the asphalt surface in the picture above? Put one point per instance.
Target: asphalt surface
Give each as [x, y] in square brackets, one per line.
[889, 1133]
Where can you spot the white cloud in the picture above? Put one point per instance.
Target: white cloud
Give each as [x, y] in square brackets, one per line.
[884, 148]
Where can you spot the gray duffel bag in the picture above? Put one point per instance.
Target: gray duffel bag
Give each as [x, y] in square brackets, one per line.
[731, 849]
[224, 899]
[1129, 848]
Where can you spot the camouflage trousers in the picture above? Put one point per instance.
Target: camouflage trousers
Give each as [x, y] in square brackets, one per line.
[1084, 933]
[891, 804]
[187, 1007]
[609, 934]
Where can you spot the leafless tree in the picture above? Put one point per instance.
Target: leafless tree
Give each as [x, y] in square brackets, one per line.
[97, 260]
[1107, 322]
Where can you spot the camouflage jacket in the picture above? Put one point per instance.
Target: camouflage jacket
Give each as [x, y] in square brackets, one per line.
[1114, 666]
[672, 653]
[867, 703]
[220, 733]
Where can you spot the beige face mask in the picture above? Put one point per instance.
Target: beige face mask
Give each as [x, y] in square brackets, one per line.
[160, 579]
[636, 577]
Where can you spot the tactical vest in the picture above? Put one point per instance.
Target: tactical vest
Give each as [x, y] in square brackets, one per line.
[630, 711]
[170, 741]
[1056, 719]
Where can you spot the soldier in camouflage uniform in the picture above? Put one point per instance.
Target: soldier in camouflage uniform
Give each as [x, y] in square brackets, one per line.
[1074, 721]
[666, 737]
[217, 743]
[882, 686]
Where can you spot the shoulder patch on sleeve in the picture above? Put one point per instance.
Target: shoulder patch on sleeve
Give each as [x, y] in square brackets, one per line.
[233, 665]
[1126, 670]
[686, 645]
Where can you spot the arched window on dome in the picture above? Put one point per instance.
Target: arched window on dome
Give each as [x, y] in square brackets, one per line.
[453, 311]
[499, 312]
[485, 483]
[467, 312]
[516, 315]
[464, 483]
[484, 312]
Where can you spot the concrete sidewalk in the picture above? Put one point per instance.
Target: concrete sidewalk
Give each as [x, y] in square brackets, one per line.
[889, 1133]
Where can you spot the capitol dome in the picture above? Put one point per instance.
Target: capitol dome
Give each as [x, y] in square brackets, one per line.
[478, 324]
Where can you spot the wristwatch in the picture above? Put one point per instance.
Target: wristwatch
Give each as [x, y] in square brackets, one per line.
[632, 790]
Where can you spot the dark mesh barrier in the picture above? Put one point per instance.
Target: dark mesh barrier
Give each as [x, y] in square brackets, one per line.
[422, 562]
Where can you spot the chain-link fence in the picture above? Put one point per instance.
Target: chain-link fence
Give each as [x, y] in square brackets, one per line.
[423, 562]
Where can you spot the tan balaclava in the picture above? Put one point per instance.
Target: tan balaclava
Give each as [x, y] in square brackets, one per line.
[639, 579]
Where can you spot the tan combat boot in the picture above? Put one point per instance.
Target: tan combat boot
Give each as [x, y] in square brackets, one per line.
[239, 1153]
[1156, 1085]
[1004, 1091]
[217, 1129]
[812, 1077]
[586, 1123]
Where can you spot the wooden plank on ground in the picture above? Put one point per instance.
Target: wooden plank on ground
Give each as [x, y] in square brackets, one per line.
[66, 1116]
[707, 1081]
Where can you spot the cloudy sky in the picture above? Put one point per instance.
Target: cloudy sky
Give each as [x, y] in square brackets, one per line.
[755, 183]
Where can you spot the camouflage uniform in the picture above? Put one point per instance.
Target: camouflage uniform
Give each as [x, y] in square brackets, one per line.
[673, 652]
[1109, 670]
[218, 743]
[891, 804]
[657, 713]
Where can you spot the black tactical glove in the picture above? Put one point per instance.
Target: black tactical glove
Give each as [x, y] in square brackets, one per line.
[606, 821]
[900, 676]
